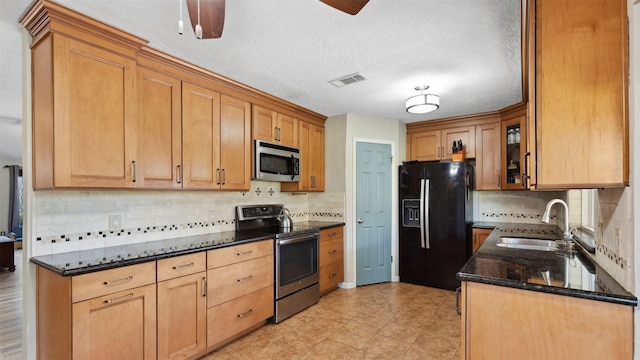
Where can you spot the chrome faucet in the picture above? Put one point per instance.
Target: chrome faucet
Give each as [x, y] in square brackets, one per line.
[545, 217]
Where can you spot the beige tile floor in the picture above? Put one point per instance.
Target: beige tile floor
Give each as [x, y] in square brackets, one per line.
[382, 321]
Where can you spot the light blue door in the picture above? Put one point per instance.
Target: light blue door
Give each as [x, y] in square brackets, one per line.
[373, 213]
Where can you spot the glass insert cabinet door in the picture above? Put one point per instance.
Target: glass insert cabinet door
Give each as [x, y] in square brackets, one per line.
[513, 149]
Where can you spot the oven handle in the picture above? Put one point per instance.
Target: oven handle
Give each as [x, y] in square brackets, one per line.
[294, 240]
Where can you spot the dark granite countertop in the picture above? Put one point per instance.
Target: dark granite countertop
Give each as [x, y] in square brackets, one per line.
[571, 273]
[322, 225]
[86, 261]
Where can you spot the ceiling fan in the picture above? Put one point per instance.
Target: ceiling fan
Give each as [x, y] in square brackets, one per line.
[207, 16]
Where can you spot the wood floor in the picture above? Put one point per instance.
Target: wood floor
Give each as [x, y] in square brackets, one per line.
[383, 321]
[11, 311]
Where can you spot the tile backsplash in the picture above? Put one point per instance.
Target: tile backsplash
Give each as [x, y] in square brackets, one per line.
[77, 220]
[515, 206]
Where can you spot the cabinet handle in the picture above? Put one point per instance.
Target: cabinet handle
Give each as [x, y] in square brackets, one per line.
[333, 234]
[218, 176]
[180, 267]
[245, 313]
[204, 286]
[109, 301]
[118, 281]
[133, 165]
[244, 253]
[224, 176]
[313, 181]
[332, 251]
[179, 171]
[250, 277]
[525, 176]
[278, 134]
[499, 182]
[458, 290]
[332, 275]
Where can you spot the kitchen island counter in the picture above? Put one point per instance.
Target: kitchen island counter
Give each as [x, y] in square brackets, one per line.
[569, 273]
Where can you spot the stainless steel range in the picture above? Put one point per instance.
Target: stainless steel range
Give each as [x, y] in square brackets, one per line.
[296, 257]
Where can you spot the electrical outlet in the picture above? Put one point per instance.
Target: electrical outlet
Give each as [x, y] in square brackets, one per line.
[115, 222]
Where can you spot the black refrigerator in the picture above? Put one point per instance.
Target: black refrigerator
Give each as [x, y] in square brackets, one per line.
[436, 213]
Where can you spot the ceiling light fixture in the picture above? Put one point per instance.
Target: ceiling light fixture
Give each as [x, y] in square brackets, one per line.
[423, 103]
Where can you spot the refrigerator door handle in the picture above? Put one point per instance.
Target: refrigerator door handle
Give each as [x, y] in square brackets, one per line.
[424, 213]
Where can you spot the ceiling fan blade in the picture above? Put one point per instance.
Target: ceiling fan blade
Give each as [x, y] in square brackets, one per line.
[351, 7]
[211, 17]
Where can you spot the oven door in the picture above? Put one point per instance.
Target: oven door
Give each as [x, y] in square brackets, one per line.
[296, 264]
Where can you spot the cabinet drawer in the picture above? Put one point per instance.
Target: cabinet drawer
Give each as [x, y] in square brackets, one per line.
[331, 275]
[333, 233]
[228, 319]
[331, 251]
[105, 282]
[181, 265]
[234, 254]
[231, 281]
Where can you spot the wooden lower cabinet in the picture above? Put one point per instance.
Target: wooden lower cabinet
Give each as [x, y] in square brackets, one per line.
[182, 305]
[331, 259]
[507, 323]
[117, 321]
[173, 308]
[116, 326]
[478, 237]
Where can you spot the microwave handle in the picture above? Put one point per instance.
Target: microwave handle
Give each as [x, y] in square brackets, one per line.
[296, 167]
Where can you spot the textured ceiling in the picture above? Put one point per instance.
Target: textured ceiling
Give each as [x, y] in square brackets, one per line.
[467, 51]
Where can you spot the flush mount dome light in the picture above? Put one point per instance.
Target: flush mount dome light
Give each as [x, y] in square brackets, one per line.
[423, 103]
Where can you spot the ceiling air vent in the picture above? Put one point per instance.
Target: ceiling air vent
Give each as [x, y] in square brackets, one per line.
[346, 80]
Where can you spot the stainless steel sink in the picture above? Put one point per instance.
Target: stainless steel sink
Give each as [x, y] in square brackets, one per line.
[528, 243]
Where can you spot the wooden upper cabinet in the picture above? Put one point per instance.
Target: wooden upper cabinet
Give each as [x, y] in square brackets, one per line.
[160, 130]
[272, 126]
[436, 144]
[84, 128]
[488, 163]
[235, 143]
[216, 136]
[578, 58]
[425, 146]
[287, 130]
[311, 160]
[468, 136]
[201, 137]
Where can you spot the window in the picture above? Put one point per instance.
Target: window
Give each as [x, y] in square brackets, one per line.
[588, 210]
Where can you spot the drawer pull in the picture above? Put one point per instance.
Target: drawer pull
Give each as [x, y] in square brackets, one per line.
[245, 279]
[180, 267]
[109, 301]
[118, 281]
[333, 234]
[244, 253]
[332, 275]
[204, 287]
[245, 313]
[332, 251]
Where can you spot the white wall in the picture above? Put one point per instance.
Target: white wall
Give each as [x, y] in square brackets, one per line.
[360, 128]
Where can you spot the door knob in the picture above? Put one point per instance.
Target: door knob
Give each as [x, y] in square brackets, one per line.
[360, 221]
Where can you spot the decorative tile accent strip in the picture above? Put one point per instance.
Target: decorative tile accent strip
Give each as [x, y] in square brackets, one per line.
[54, 239]
[510, 216]
[620, 261]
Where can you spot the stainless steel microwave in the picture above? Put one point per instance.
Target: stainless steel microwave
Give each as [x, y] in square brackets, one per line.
[274, 162]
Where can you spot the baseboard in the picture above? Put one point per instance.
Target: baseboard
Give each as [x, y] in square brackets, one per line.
[347, 285]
